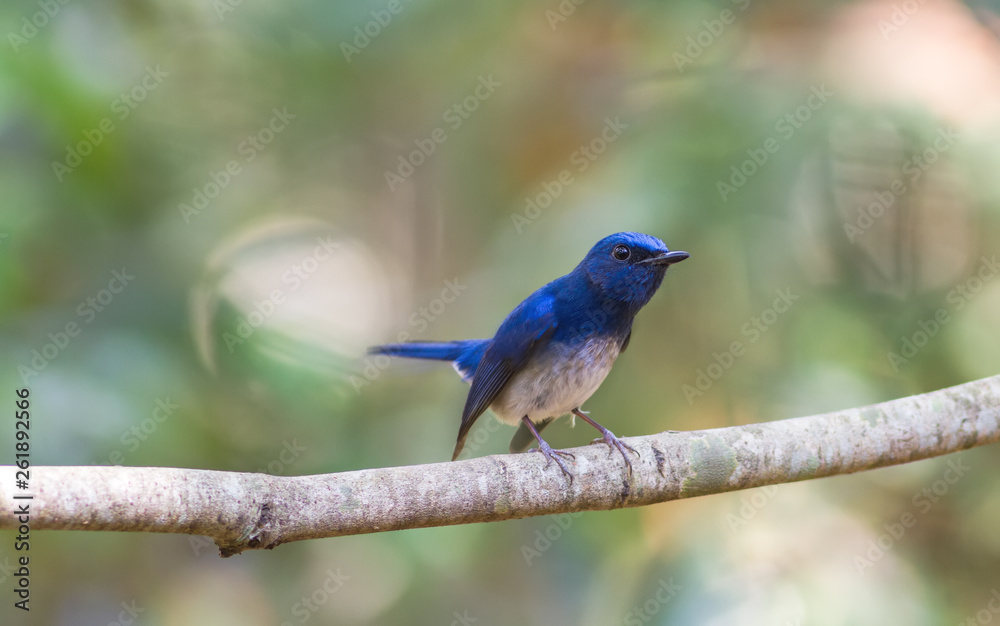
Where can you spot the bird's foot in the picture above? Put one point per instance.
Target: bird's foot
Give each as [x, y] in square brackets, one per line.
[609, 438]
[553, 455]
[614, 442]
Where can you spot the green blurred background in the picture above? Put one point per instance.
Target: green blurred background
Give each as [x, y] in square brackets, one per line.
[279, 185]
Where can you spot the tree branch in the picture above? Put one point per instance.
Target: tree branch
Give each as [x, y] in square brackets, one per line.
[246, 511]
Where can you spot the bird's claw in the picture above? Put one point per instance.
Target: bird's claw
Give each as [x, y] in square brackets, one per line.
[613, 443]
[553, 455]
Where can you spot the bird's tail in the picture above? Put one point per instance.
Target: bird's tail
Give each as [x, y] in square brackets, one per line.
[464, 355]
[437, 351]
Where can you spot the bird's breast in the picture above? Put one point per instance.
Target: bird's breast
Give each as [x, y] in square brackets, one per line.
[557, 380]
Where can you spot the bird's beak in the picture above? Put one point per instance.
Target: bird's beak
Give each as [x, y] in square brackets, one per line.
[667, 258]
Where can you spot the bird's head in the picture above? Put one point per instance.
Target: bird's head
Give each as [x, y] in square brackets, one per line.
[629, 267]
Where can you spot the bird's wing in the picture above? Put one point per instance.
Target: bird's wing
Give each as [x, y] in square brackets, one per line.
[526, 329]
[468, 361]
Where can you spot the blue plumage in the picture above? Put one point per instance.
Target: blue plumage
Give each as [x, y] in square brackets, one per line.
[554, 349]
[464, 355]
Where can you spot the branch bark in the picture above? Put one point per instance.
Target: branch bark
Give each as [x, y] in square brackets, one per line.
[247, 511]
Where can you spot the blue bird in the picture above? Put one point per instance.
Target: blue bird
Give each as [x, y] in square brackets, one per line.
[554, 349]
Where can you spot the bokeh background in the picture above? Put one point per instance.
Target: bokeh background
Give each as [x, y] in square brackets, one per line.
[230, 199]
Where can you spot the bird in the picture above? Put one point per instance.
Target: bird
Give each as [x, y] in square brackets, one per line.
[553, 351]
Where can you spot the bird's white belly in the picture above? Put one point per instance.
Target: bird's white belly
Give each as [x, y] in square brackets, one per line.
[558, 382]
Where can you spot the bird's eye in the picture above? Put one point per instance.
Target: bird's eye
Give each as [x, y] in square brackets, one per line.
[621, 252]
